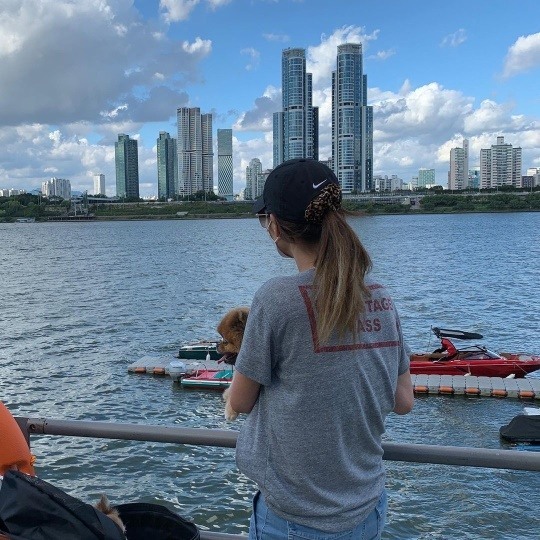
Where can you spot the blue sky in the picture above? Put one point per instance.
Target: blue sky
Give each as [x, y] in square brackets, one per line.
[74, 74]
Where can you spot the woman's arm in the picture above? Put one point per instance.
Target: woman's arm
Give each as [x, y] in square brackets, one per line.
[243, 393]
[404, 397]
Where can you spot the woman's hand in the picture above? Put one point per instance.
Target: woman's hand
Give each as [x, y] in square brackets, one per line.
[243, 393]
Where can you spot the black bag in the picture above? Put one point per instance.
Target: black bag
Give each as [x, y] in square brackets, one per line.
[32, 509]
[144, 521]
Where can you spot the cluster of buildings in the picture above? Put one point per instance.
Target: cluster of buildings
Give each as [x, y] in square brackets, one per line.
[11, 192]
[500, 165]
[56, 187]
[185, 162]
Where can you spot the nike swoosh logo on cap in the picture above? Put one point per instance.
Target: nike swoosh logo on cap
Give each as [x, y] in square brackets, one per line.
[315, 186]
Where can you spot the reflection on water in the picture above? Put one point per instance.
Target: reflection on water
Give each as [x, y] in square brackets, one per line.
[81, 301]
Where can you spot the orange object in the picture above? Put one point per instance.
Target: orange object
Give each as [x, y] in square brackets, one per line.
[159, 371]
[141, 369]
[499, 393]
[14, 451]
[526, 394]
[446, 390]
[421, 389]
[473, 391]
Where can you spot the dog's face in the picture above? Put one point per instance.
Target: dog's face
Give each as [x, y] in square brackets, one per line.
[231, 328]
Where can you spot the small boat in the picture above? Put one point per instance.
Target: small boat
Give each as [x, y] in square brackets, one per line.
[217, 379]
[474, 360]
[523, 428]
[201, 350]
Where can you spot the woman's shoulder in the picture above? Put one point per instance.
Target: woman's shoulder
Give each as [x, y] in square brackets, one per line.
[280, 287]
[375, 285]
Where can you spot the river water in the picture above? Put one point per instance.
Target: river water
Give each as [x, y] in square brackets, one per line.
[82, 301]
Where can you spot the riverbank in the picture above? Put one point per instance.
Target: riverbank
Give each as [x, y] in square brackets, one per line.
[370, 204]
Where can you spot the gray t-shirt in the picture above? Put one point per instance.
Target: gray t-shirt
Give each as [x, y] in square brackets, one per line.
[312, 442]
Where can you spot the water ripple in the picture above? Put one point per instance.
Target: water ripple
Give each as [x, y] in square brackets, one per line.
[83, 300]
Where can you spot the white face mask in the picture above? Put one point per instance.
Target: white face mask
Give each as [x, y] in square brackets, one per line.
[283, 254]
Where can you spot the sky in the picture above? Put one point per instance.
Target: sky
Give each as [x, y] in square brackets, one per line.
[74, 74]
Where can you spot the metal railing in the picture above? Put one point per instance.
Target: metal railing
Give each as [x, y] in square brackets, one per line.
[414, 453]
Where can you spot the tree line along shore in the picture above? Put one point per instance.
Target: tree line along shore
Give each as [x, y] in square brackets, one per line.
[33, 206]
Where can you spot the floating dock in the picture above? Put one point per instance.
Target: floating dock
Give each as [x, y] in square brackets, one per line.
[476, 386]
[150, 365]
[458, 385]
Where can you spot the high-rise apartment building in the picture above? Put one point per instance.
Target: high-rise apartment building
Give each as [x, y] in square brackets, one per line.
[352, 122]
[296, 127]
[167, 166]
[56, 187]
[500, 165]
[458, 177]
[127, 167]
[426, 177]
[99, 184]
[195, 154]
[253, 171]
[225, 164]
[474, 178]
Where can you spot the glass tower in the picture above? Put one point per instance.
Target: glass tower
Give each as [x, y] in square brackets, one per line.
[167, 166]
[296, 127]
[195, 154]
[225, 164]
[127, 167]
[352, 122]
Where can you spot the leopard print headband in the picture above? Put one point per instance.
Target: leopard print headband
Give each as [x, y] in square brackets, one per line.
[328, 199]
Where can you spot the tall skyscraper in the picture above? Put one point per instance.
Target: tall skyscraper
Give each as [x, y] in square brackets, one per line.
[296, 127]
[459, 167]
[195, 154]
[56, 187]
[500, 165]
[253, 170]
[167, 166]
[352, 122]
[127, 167]
[225, 164]
[99, 184]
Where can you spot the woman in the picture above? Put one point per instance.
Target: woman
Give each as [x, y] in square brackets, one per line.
[321, 365]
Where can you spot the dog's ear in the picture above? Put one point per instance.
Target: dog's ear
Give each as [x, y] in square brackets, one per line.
[242, 315]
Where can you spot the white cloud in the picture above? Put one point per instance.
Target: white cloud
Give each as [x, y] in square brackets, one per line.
[254, 55]
[429, 112]
[455, 39]
[57, 66]
[177, 10]
[214, 4]
[382, 55]
[280, 38]
[259, 118]
[180, 10]
[203, 46]
[523, 55]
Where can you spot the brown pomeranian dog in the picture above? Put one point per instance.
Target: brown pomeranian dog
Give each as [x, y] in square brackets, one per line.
[231, 328]
[103, 505]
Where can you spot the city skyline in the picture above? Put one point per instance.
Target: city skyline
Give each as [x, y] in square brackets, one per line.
[436, 77]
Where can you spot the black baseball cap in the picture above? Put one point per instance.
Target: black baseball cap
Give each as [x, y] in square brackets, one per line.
[291, 186]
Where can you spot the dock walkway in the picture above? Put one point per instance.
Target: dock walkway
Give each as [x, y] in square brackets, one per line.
[459, 385]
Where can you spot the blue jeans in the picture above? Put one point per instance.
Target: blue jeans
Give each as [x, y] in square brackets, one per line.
[266, 525]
